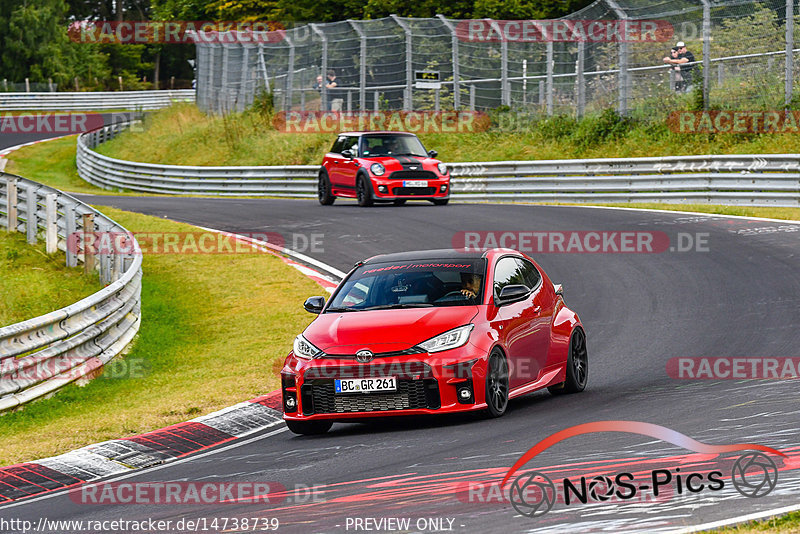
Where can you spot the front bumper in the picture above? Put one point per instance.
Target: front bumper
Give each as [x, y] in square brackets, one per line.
[388, 188]
[425, 385]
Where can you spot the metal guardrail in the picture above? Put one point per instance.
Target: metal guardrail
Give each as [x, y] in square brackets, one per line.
[43, 354]
[93, 101]
[754, 180]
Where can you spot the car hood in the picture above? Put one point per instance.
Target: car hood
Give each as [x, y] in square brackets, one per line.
[384, 330]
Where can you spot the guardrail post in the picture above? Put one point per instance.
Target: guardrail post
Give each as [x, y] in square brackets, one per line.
[70, 228]
[51, 223]
[31, 207]
[88, 243]
[11, 204]
[119, 244]
[105, 259]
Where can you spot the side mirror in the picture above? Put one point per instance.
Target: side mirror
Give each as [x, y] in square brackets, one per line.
[314, 304]
[432, 153]
[348, 154]
[559, 289]
[512, 293]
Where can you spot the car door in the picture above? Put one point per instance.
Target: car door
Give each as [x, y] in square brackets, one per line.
[349, 167]
[519, 323]
[543, 306]
[336, 162]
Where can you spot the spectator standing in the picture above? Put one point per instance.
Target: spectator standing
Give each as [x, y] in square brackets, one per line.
[335, 100]
[684, 62]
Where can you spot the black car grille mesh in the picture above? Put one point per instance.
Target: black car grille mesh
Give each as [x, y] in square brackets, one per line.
[413, 175]
[319, 397]
[414, 191]
[407, 352]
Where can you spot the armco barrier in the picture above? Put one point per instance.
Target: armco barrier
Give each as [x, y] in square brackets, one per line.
[43, 354]
[93, 101]
[754, 180]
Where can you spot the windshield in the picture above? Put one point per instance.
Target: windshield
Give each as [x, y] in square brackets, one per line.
[411, 284]
[392, 145]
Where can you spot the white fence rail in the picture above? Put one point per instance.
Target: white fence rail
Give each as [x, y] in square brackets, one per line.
[754, 180]
[43, 354]
[93, 101]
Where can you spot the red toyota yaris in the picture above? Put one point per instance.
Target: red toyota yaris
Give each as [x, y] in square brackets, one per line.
[432, 332]
[382, 167]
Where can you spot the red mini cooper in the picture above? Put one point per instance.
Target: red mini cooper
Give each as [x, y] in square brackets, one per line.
[382, 167]
[432, 332]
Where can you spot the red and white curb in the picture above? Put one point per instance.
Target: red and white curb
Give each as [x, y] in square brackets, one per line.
[119, 456]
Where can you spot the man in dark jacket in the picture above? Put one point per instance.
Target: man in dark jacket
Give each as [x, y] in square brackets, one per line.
[685, 62]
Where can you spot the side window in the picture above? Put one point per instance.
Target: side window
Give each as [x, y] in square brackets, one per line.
[530, 273]
[352, 144]
[508, 271]
[339, 144]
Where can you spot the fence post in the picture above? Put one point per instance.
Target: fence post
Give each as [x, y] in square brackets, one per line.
[408, 102]
[472, 97]
[88, 243]
[31, 207]
[622, 54]
[789, 78]
[243, 79]
[11, 204]
[51, 223]
[223, 87]
[505, 94]
[706, 50]
[454, 50]
[580, 80]
[549, 82]
[362, 66]
[287, 95]
[323, 103]
[377, 100]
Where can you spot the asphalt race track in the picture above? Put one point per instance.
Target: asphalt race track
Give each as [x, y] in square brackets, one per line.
[739, 296]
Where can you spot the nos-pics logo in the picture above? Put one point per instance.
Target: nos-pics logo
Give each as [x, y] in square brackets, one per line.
[533, 493]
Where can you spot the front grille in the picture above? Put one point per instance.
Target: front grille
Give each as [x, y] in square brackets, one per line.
[413, 175]
[319, 397]
[414, 191]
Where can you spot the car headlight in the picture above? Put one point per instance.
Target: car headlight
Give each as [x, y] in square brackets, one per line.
[377, 169]
[449, 340]
[442, 168]
[304, 349]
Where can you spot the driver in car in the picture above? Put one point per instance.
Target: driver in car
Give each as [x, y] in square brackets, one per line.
[471, 284]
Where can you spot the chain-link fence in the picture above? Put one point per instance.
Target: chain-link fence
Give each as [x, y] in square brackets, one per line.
[608, 55]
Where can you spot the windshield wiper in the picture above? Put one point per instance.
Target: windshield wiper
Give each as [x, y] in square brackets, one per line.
[398, 306]
[340, 309]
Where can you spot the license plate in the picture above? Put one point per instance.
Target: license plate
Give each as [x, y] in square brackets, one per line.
[365, 385]
[415, 183]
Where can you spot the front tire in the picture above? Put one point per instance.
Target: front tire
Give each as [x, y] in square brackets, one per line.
[363, 192]
[309, 428]
[577, 366]
[496, 384]
[324, 194]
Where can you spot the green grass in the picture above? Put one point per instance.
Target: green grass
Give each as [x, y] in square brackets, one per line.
[786, 524]
[792, 214]
[183, 135]
[33, 282]
[215, 329]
